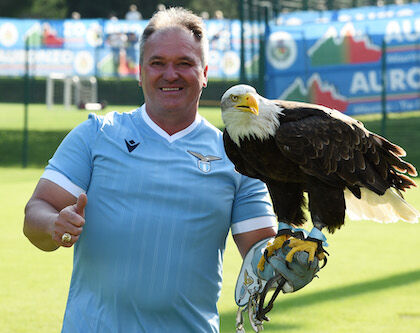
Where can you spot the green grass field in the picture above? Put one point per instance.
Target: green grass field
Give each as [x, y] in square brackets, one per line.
[371, 283]
[47, 128]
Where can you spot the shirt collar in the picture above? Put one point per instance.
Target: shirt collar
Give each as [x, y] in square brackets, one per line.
[170, 138]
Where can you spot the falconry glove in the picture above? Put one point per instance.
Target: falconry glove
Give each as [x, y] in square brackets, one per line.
[253, 283]
[297, 274]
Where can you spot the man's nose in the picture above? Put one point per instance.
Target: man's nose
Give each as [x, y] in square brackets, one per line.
[170, 73]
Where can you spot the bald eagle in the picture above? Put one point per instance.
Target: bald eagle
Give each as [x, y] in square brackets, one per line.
[298, 147]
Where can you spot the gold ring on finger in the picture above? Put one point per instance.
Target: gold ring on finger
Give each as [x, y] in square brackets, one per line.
[66, 238]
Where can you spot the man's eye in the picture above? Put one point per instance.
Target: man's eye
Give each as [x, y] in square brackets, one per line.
[157, 63]
[185, 64]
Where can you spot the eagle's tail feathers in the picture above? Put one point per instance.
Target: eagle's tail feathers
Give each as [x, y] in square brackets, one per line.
[387, 208]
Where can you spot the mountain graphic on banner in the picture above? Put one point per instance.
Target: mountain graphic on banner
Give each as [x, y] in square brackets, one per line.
[316, 92]
[33, 36]
[346, 48]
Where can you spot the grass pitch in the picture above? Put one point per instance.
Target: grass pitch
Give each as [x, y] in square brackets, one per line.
[371, 282]
[47, 128]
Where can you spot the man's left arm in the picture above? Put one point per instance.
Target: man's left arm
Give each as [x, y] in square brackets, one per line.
[244, 241]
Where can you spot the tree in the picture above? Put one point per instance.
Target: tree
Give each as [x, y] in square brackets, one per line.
[99, 8]
[52, 9]
[229, 9]
[13, 8]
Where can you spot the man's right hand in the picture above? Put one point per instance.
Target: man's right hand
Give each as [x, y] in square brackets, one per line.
[51, 212]
[71, 220]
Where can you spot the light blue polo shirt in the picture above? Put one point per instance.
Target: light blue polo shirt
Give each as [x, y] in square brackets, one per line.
[159, 210]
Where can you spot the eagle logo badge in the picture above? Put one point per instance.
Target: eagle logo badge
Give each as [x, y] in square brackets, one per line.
[203, 162]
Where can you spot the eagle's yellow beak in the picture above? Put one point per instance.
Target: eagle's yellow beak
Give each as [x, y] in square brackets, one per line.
[247, 103]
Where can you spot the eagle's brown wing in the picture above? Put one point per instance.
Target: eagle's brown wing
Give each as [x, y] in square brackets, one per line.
[337, 149]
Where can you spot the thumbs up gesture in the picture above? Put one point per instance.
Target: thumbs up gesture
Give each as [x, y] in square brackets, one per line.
[80, 205]
[70, 221]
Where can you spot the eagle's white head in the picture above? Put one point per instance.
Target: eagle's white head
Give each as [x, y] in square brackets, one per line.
[247, 114]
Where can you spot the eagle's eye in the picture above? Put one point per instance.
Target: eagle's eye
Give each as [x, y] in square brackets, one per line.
[234, 98]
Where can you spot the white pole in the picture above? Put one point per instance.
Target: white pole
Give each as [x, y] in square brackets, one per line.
[67, 92]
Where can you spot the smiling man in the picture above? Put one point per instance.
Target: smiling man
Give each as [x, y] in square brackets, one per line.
[163, 196]
[172, 75]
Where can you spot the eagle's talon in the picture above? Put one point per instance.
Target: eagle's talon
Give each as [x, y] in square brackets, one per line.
[299, 245]
[322, 255]
[324, 263]
[266, 256]
[271, 248]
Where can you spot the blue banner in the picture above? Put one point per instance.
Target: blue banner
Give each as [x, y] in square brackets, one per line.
[339, 63]
[108, 48]
[332, 58]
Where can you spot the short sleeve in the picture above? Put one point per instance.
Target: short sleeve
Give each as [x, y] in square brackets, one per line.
[252, 208]
[71, 165]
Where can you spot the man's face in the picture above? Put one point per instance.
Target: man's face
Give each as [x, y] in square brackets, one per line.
[172, 74]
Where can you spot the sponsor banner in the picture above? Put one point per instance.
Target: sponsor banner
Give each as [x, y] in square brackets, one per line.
[372, 13]
[340, 64]
[225, 45]
[110, 48]
[65, 34]
[43, 62]
[119, 54]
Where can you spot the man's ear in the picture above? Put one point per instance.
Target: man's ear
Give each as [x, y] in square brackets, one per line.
[205, 76]
[139, 75]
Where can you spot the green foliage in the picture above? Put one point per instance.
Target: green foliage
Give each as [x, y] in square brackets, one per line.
[229, 8]
[99, 8]
[48, 9]
[14, 8]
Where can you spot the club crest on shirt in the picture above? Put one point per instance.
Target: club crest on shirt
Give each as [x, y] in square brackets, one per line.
[204, 162]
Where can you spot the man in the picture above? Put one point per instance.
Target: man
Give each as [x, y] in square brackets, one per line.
[148, 198]
[133, 14]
